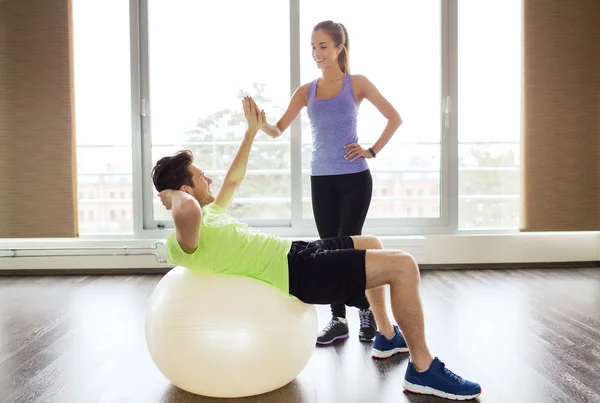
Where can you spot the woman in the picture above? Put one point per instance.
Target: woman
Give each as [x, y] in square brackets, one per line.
[341, 183]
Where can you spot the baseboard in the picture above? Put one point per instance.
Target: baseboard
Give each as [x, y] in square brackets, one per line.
[506, 266]
[164, 270]
[84, 272]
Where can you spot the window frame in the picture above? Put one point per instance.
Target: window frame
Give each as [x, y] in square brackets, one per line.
[146, 226]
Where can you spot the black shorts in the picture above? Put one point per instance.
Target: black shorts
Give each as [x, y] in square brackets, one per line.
[328, 271]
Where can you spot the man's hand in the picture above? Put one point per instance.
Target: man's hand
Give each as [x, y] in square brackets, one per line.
[170, 197]
[265, 124]
[237, 170]
[254, 117]
[166, 198]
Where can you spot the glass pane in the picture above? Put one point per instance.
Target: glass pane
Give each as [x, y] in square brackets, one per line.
[188, 47]
[105, 193]
[489, 86]
[410, 80]
[489, 155]
[103, 116]
[489, 214]
[489, 169]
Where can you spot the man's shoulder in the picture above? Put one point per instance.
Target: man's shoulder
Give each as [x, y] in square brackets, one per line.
[213, 208]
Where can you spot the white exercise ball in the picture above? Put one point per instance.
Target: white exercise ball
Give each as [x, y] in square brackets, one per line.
[227, 336]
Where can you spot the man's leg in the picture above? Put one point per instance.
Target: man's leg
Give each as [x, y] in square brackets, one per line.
[400, 270]
[376, 297]
[389, 340]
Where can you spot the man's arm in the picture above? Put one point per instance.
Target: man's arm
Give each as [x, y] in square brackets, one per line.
[187, 215]
[237, 170]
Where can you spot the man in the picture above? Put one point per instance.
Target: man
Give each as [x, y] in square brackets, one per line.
[334, 270]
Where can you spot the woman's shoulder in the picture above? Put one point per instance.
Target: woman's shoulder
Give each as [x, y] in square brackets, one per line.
[358, 78]
[304, 89]
[307, 85]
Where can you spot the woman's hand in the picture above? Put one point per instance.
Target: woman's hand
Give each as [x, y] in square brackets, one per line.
[356, 151]
[266, 127]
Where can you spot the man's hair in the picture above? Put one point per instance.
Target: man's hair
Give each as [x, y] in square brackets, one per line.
[172, 172]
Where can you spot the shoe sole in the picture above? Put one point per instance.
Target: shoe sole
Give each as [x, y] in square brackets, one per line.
[334, 339]
[365, 338]
[388, 353]
[426, 390]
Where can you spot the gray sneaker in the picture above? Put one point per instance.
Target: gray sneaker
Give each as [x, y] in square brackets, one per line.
[334, 330]
[368, 327]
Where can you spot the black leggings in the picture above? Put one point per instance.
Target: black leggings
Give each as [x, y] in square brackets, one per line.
[340, 205]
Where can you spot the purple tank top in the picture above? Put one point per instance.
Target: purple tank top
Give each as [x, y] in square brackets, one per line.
[333, 125]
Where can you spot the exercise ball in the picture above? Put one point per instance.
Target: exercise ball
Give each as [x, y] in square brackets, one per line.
[227, 336]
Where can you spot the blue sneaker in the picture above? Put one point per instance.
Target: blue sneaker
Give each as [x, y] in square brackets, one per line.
[384, 348]
[439, 381]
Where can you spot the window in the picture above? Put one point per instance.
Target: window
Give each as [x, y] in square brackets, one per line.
[414, 88]
[188, 47]
[276, 191]
[447, 168]
[489, 85]
[102, 74]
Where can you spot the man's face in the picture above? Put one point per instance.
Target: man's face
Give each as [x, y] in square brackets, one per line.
[201, 186]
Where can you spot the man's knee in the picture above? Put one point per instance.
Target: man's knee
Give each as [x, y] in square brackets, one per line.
[406, 268]
[366, 242]
[374, 242]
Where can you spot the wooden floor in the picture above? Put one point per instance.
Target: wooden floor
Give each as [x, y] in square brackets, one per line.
[525, 335]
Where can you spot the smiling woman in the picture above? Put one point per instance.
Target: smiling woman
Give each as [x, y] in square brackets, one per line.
[396, 45]
[330, 44]
[341, 182]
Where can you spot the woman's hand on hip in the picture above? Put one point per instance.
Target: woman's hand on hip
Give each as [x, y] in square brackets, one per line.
[355, 151]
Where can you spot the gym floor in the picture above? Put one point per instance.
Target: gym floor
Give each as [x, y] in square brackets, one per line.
[526, 335]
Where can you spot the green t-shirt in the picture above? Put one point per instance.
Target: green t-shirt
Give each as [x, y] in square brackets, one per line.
[228, 246]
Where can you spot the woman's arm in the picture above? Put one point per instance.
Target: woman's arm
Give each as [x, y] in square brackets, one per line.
[367, 90]
[298, 101]
[372, 94]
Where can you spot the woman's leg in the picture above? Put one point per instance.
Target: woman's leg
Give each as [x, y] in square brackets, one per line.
[326, 211]
[355, 199]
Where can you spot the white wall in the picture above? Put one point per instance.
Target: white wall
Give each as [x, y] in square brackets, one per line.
[439, 249]
[516, 248]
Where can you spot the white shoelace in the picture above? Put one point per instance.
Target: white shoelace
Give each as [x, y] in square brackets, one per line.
[364, 317]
